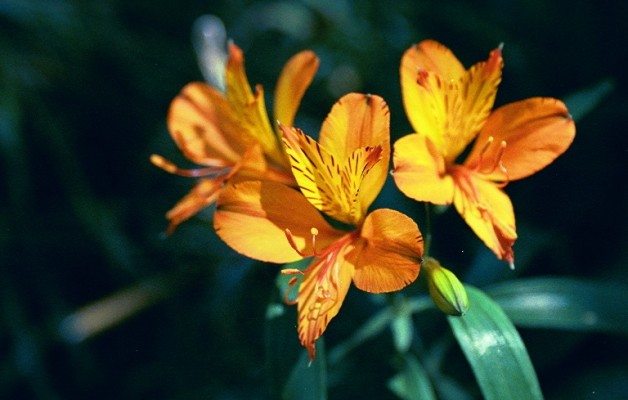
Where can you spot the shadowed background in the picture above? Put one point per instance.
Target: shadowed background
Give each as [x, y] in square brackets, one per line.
[85, 87]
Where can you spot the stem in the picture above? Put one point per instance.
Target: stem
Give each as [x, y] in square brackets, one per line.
[428, 230]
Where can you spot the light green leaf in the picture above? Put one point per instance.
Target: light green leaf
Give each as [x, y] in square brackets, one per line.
[412, 383]
[564, 303]
[584, 101]
[308, 380]
[495, 351]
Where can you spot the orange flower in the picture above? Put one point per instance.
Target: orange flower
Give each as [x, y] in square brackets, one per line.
[229, 134]
[340, 176]
[448, 107]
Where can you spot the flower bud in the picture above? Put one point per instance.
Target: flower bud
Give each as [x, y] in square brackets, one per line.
[446, 290]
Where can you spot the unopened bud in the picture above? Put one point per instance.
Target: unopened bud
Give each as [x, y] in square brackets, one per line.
[446, 290]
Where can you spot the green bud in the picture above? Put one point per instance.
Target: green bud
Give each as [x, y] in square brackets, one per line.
[446, 290]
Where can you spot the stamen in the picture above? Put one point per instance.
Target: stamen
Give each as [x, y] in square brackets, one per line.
[168, 166]
[485, 148]
[293, 244]
[498, 160]
[501, 165]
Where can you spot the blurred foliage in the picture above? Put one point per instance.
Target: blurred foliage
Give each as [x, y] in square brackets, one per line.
[84, 90]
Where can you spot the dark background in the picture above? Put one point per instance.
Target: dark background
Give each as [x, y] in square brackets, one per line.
[85, 87]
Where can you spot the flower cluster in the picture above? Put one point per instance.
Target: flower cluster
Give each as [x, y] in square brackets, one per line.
[282, 196]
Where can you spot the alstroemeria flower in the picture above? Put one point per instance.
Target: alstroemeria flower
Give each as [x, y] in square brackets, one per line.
[229, 134]
[339, 176]
[449, 107]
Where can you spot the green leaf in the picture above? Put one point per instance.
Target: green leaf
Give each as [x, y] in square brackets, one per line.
[584, 101]
[412, 383]
[564, 303]
[308, 380]
[495, 351]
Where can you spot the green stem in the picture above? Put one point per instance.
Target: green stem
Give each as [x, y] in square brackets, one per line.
[427, 236]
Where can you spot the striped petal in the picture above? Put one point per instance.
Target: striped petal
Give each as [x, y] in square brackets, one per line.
[250, 107]
[331, 185]
[488, 211]
[358, 121]
[322, 292]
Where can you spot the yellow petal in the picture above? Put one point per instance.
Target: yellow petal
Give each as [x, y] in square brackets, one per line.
[357, 121]
[426, 109]
[321, 295]
[391, 253]
[252, 216]
[431, 56]
[488, 211]
[448, 106]
[534, 132]
[295, 78]
[201, 124]
[250, 107]
[331, 185]
[420, 171]
[203, 194]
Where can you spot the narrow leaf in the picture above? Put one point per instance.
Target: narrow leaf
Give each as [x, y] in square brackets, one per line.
[412, 383]
[495, 350]
[564, 303]
[308, 380]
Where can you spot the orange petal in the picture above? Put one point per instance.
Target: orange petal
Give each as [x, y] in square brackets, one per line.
[357, 121]
[322, 293]
[250, 107]
[294, 79]
[203, 194]
[330, 184]
[488, 211]
[202, 126]
[535, 131]
[252, 216]
[392, 252]
[420, 171]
